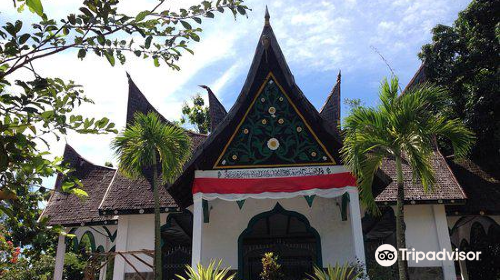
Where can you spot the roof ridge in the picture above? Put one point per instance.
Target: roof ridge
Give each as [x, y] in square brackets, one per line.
[332, 92]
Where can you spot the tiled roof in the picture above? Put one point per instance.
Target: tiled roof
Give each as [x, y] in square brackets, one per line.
[481, 183]
[66, 209]
[216, 109]
[127, 195]
[446, 188]
[330, 111]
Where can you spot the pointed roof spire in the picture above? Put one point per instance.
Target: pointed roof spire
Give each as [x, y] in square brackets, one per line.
[267, 17]
[330, 112]
[215, 108]
[137, 102]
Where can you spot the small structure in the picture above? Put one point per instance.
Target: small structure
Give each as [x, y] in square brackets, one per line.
[268, 178]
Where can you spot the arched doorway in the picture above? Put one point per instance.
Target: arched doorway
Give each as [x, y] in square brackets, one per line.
[286, 233]
[176, 236]
[488, 243]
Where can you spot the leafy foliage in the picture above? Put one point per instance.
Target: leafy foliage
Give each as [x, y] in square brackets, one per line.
[41, 269]
[337, 272]
[212, 272]
[197, 115]
[271, 269]
[464, 59]
[147, 140]
[35, 109]
[402, 127]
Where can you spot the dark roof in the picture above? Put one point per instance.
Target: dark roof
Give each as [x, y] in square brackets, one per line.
[66, 209]
[480, 180]
[446, 189]
[418, 78]
[137, 102]
[268, 58]
[331, 109]
[126, 195]
[215, 109]
[129, 196]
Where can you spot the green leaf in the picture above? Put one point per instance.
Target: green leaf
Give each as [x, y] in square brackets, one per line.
[156, 62]
[79, 192]
[24, 38]
[82, 53]
[101, 40]
[209, 15]
[142, 15]
[110, 57]
[195, 37]
[35, 6]
[147, 43]
[186, 24]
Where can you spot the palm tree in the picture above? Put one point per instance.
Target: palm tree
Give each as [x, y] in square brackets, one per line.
[149, 148]
[404, 128]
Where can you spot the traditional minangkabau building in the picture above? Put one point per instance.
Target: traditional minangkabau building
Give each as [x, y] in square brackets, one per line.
[269, 178]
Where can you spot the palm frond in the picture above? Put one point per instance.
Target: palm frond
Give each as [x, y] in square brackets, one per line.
[365, 145]
[337, 272]
[147, 139]
[211, 272]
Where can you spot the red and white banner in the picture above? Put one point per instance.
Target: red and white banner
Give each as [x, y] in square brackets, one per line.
[275, 183]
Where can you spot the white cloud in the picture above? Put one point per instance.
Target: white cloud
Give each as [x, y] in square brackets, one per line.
[315, 36]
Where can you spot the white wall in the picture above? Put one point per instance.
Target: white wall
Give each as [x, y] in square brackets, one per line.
[427, 230]
[227, 222]
[140, 235]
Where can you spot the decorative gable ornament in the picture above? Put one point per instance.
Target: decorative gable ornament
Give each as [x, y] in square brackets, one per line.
[273, 133]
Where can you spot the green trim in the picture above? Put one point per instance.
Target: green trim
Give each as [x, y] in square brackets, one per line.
[100, 249]
[343, 209]
[111, 237]
[206, 211]
[278, 209]
[240, 203]
[92, 240]
[310, 199]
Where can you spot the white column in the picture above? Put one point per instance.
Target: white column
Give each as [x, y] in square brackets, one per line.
[121, 246]
[463, 270]
[443, 236]
[197, 231]
[61, 250]
[356, 228]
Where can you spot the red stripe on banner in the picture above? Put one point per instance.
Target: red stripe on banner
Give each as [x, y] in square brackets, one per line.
[282, 184]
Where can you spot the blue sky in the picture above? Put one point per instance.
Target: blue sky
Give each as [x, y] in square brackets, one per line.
[318, 38]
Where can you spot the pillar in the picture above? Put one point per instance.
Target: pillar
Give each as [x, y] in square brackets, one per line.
[197, 231]
[443, 236]
[356, 228]
[121, 246]
[61, 250]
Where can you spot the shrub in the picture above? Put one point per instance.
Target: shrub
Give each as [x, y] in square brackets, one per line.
[212, 272]
[271, 269]
[345, 272]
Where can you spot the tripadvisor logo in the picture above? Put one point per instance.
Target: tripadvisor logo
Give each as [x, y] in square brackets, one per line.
[387, 255]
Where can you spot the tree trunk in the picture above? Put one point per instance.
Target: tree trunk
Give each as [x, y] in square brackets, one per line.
[400, 222]
[157, 259]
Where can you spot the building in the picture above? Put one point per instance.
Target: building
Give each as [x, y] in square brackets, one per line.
[269, 178]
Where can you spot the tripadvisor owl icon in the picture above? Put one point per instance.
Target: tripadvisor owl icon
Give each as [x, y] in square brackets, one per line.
[386, 255]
